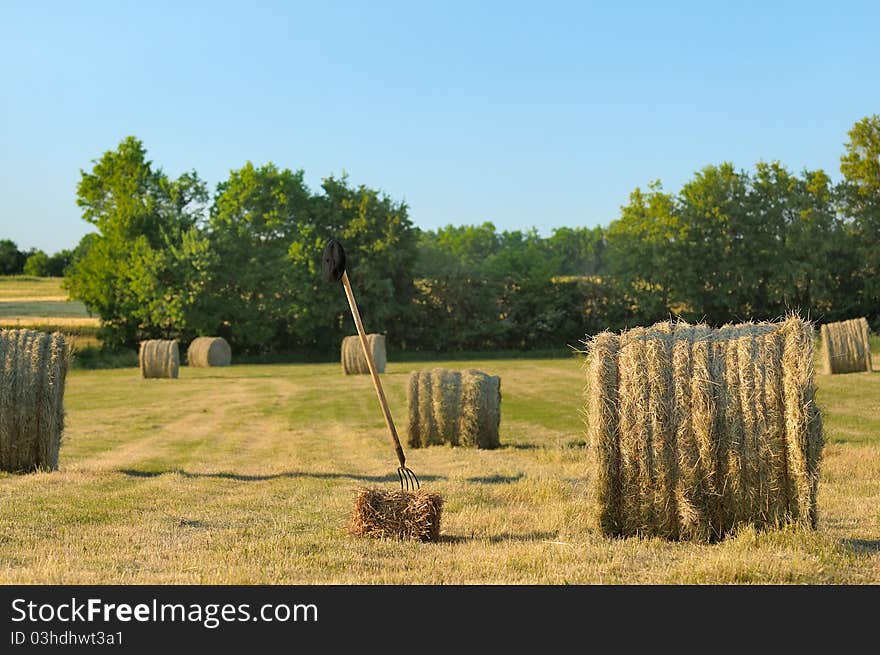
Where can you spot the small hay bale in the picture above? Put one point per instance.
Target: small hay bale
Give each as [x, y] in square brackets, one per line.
[353, 360]
[209, 351]
[459, 408]
[33, 371]
[411, 515]
[698, 431]
[159, 358]
[846, 347]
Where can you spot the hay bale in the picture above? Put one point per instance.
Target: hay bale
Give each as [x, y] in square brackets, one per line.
[454, 407]
[846, 347]
[412, 515]
[33, 370]
[353, 360]
[480, 409]
[209, 351]
[159, 358]
[698, 431]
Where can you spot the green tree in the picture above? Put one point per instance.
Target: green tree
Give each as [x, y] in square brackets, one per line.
[136, 209]
[37, 264]
[250, 295]
[11, 258]
[59, 262]
[643, 253]
[860, 192]
[380, 244]
[578, 250]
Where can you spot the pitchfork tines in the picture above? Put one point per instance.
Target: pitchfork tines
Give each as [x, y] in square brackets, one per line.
[408, 479]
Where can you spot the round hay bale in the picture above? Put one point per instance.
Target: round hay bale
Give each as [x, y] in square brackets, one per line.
[454, 407]
[209, 351]
[480, 409]
[698, 431]
[33, 371]
[353, 360]
[846, 346]
[159, 358]
[414, 434]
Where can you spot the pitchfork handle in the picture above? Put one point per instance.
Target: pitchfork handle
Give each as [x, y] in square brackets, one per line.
[349, 294]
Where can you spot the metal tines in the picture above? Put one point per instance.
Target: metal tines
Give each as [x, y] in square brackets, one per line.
[408, 479]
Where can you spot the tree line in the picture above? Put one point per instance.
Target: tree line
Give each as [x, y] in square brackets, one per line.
[170, 259]
[14, 261]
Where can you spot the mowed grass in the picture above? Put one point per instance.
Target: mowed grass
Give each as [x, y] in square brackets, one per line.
[40, 303]
[247, 475]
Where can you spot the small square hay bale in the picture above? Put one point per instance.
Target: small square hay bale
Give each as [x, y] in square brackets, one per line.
[413, 515]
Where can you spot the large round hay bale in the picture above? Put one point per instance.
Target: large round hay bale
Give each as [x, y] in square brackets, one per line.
[697, 431]
[33, 370]
[353, 360]
[846, 346]
[454, 407]
[209, 351]
[159, 358]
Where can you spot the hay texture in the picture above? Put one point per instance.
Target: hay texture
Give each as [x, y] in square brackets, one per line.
[460, 408]
[159, 359]
[846, 347]
[697, 431]
[411, 515]
[353, 360]
[209, 351]
[33, 370]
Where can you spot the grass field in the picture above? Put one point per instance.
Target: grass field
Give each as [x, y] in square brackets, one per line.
[247, 475]
[41, 303]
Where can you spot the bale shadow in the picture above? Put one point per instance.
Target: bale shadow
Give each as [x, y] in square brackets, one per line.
[292, 475]
[520, 446]
[526, 536]
[504, 537]
[497, 479]
[863, 546]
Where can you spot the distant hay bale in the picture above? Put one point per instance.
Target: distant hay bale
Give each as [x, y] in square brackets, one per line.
[697, 431]
[209, 351]
[411, 515]
[353, 360]
[33, 370]
[846, 347]
[454, 407]
[159, 358]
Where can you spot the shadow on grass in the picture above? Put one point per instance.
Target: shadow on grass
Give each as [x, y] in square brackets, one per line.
[292, 475]
[863, 546]
[497, 479]
[505, 537]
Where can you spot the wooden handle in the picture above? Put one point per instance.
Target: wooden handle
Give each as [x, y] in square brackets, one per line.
[349, 294]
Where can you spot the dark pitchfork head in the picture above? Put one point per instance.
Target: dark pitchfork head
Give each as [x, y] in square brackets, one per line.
[333, 261]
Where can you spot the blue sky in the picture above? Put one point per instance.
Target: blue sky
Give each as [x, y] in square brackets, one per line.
[536, 114]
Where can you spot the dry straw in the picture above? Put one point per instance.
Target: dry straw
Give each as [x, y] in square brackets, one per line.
[846, 347]
[209, 351]
[159, 358]
[353, 360]
[697, 431]
[413, 515]
[33, 369]
[454, 407]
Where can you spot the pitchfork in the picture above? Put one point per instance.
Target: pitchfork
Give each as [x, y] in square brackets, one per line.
[334, 270]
